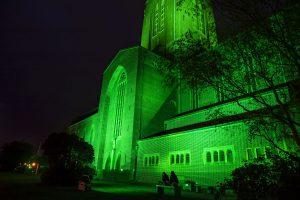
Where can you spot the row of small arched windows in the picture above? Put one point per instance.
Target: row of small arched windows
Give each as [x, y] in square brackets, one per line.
[151, 160]
[180, 158]
[219, 156]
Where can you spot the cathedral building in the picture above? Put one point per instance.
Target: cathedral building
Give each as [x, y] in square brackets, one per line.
[142, 128]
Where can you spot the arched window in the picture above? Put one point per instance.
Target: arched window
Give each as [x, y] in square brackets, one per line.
[156, 21]
[177, 158]
[229, 155]
[208, 157]
[216, 156]
[187, 158]
[150, 160]
[162, 15]
[172, 159]
[260, 152]
[121, 88]
[181, 158]
[153, 160]
[222, 156]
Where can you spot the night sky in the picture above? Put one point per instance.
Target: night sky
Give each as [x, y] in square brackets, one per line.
[52, 56]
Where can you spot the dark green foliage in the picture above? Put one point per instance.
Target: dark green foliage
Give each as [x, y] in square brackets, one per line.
[274, 178]
[69, 157]
[15, 154]
[261, 60]
[192, 61]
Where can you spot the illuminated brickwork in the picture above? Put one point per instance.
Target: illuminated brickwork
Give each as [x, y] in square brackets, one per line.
[196, 143]
[165, 22]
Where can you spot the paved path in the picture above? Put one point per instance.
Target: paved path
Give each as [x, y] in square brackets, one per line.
[146, 190]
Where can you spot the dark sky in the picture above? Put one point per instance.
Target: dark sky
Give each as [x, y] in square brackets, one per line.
[52, 56]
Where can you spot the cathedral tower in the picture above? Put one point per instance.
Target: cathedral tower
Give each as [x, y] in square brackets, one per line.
[166, 21]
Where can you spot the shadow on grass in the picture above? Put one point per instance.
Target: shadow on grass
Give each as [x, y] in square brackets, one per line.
[23, 187]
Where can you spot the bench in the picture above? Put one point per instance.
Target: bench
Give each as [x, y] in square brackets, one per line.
[160, 189]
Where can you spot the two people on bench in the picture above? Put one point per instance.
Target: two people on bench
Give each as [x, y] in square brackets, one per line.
[173, 180]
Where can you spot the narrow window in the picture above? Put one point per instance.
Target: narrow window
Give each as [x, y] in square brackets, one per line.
[172, 159]
[153, 160]
[208, 157]
[187, 158]
[229, 156]
[157, 160]
[222, 156]
[181, 158]
[216, 156]
[177, 158]
[121, 86]
[162, 16]
[156, 21]
[146, 161]
[260, 153]
[249, 153]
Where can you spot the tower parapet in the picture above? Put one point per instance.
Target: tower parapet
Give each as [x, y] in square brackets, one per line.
[166, 21]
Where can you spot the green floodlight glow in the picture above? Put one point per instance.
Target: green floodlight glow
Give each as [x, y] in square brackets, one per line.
[142, 128]
[165, 22]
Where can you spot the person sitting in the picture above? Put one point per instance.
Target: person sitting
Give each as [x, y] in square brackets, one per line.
[173, 179]
[165, 178]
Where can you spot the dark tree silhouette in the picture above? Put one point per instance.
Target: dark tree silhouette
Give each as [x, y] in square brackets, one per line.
[15, 154]
[69, 157]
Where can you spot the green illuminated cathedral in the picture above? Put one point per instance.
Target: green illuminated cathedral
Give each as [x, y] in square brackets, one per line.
[142, 128]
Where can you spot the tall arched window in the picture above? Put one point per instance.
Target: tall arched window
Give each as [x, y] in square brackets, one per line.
[208, 157]
[156, 21]
[187, 158]
[152, 160]
[216, 156]
[222, 156]
[121, 88]
[177, 158]
[162, 15]
[172, 159]
[229, 155]
[181, 158]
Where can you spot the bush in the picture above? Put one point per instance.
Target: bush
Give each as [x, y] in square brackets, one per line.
[274, 178]
[69, 158]
[13, 155]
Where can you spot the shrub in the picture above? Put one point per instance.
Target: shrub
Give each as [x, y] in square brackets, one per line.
[13, 155]
[275, 178]
[69, 158]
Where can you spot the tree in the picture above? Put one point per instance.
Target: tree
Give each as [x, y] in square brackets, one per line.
[15, 154]
[275, 20]
[69, 157]
[260, 64]
[274, 178]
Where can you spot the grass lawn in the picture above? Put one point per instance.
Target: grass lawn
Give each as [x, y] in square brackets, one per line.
[27, 186]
